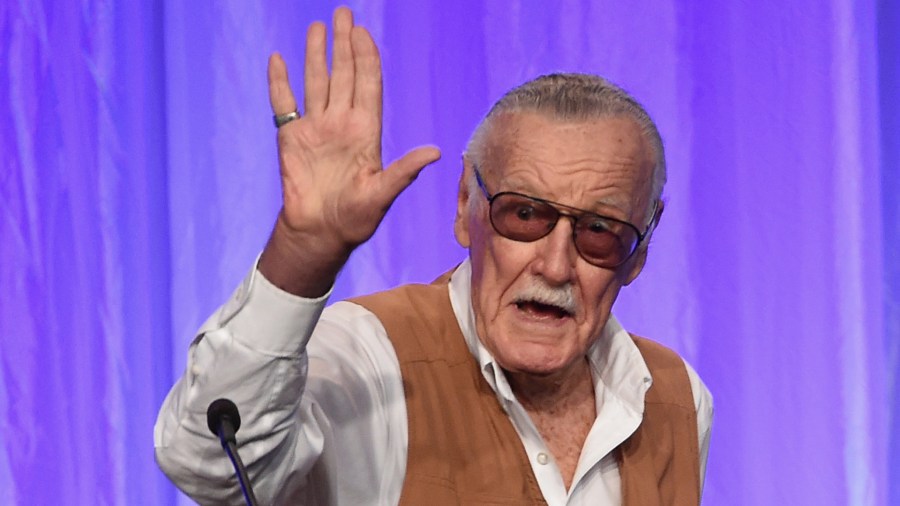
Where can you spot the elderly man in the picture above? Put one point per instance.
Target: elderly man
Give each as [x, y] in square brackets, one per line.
[506, 381]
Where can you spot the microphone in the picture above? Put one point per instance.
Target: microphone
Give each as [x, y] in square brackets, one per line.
[223, 420]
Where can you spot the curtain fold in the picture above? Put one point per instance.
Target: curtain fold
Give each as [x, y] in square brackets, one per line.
[139, 181]
[889, 123]
[84, 253]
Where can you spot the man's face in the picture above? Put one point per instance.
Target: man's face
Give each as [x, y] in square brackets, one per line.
[604, 166]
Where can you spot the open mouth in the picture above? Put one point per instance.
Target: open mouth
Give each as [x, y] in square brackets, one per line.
[542, 310]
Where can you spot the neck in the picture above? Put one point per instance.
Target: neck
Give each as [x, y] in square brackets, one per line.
[551, 393]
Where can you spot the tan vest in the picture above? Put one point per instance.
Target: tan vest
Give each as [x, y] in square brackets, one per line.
[463, 449]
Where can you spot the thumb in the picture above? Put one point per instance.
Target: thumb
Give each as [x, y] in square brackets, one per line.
[403, 171]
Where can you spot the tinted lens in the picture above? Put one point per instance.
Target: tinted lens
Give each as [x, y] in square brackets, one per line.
[521, 218]
[604, 242]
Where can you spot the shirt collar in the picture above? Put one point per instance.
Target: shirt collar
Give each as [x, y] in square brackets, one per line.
[616, 363]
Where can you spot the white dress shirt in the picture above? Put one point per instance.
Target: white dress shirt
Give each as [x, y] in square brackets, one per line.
[323, 410]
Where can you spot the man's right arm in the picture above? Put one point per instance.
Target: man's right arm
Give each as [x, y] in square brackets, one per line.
[335, 192]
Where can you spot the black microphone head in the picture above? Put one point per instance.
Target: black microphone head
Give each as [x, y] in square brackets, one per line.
[220, 409]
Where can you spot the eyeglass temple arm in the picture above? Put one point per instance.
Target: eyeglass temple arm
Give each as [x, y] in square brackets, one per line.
[654, 218]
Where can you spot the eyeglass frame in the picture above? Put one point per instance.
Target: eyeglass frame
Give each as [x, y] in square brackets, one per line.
[565, 211]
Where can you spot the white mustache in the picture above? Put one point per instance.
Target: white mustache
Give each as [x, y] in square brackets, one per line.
[562, 297]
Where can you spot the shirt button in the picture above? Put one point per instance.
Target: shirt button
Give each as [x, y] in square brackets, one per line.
[543, 458]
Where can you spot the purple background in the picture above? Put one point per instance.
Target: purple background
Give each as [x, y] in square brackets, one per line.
[138, 181]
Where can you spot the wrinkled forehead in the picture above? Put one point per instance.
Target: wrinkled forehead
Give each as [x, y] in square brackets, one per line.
[523, 131]
[606, 158]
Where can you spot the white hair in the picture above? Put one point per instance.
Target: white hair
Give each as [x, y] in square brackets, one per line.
[574, 97]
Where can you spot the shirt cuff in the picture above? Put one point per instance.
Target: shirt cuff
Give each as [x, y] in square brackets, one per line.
[269, 320]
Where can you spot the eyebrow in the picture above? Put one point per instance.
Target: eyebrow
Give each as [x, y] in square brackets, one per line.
[609, 206]
[615, 204]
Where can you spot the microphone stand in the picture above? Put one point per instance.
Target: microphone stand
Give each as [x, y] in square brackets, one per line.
[223, 420]
[230, 446]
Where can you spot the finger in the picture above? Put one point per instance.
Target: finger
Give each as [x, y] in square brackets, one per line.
[315, 71]
[400, 174]
[280, 95]
[340, 94]
[367, 86]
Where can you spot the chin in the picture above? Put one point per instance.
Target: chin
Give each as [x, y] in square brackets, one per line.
[534, 360]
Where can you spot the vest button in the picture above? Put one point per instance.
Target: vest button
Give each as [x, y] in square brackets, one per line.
[543, 458]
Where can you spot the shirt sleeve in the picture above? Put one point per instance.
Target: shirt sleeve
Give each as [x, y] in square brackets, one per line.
[317, 392]
[703, 402]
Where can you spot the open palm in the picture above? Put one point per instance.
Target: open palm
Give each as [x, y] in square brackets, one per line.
[334, 186]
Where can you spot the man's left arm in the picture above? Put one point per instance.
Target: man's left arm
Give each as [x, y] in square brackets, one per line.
[703, 402]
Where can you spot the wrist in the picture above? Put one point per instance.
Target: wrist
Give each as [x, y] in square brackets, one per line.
[303, 263]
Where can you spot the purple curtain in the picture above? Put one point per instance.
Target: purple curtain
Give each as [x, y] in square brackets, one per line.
[139, 181]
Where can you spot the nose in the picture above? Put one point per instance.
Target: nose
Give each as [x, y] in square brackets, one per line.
[556, 253]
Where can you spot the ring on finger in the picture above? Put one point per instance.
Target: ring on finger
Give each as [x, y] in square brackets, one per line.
[284, 119]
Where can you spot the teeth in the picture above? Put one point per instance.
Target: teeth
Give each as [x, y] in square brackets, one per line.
[564, 306]
[543, 306]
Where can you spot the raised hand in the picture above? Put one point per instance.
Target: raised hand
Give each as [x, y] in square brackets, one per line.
[335, 189]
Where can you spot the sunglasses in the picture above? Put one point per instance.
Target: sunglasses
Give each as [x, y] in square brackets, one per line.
[602, 241]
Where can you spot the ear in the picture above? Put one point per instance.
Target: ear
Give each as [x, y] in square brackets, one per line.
[637, 263]
[640, 256]
[461, 222]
